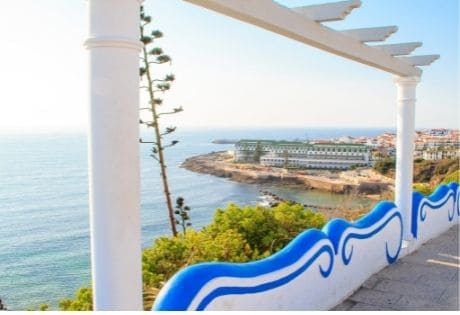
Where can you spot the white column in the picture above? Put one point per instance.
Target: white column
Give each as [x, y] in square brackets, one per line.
[114, 175]
[405, 149]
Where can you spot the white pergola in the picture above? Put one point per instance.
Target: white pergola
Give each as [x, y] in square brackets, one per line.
[114, 171]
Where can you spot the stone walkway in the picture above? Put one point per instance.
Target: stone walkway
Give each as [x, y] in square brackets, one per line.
[424, 280]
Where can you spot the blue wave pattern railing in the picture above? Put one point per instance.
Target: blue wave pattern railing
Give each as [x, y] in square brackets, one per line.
[440, 209]
[190, 289]
[333, 261]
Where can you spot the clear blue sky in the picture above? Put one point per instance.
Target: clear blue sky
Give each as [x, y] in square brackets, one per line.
[229, 73]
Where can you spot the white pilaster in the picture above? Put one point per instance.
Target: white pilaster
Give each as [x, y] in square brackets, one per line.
[405, 149]
[114, 172]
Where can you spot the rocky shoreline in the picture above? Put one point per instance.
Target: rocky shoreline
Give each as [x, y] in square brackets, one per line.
[363, 181]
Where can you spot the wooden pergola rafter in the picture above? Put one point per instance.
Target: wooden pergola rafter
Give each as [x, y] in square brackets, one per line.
[304, 24]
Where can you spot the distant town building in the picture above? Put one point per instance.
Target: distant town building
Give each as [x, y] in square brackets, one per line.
[440, 132]
[437, 144]
[434, 154]
[346, 139]
[431, 155]
[297, 154]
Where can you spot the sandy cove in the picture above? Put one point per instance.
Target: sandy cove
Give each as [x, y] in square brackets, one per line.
[221, 164]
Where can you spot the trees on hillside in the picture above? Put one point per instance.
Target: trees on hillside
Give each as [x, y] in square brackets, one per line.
[285, 159]
[257, 152]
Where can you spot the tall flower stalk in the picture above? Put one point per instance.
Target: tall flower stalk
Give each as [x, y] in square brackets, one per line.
[150, 57]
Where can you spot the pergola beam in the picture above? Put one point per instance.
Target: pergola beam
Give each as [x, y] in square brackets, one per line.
[399, 49]
[422, 60]
[286, 22]
[371, 34]
[328, 12]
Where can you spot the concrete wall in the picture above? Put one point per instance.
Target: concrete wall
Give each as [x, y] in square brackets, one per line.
[319, 268]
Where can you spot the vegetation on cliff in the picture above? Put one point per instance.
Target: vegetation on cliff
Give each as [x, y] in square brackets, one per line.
[236, 234]
[424, 171]
[427, 174]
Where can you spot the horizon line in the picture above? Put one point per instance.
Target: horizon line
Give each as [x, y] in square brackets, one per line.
[187, 128]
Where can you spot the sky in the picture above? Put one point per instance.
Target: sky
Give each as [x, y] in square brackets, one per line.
[229, 74]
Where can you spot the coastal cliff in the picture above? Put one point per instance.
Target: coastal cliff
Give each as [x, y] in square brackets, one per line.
[221, 164]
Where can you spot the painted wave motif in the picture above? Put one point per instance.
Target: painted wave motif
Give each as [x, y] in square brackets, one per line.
[435, 202]
[341, 231]
[314, 251]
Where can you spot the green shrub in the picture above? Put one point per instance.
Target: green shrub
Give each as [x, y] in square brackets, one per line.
[385, 165]
[257, 225]
[170, 254]
[452, 177]
[43, 307]
[163, 259]
[422, 188]
[266, 230]
[434, 171]
[228, 246]
[82, 302]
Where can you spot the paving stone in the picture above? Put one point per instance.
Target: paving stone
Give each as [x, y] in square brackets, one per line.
[385, 300]
[408, 303]
[427, 281]
[371, 282]
[436, 241]
[451, 260]
[344, 306]
[415, 271]
[366, 307]
[453, 232]
[450, 297]
[450, 236]
[441, 252]
[455, 235]
[432, 293]
[401, 271]
[419, 257]
[448, 246]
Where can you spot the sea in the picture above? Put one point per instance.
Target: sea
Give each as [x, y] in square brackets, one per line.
[44, 225]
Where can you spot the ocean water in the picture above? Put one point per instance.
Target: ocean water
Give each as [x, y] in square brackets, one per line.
[44, 229]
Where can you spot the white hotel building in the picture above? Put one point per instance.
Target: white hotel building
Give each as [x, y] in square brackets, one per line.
[296, 154]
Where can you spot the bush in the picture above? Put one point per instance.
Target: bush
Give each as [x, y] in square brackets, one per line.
[43, 307]
[446, 166]
[422, 188]
[170, 254]
[385, 165]
[434, 171]
[82, 302]
[266, 230]
[236, 234]
[162, 260]
[452, 177]
[256, 225]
